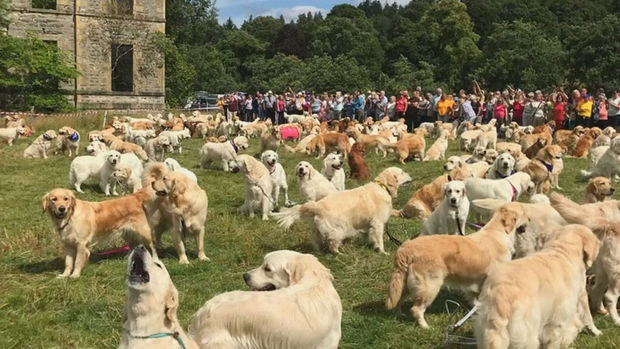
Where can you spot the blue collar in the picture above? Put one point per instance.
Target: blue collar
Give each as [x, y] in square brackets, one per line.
[174, 335]
[497, 173]
[235, 147]
[548, 166]
[74, 136]
[46, 137]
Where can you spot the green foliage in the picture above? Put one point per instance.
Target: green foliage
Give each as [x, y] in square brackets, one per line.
[31, 72]
[5, 5]
[521, 54]
[180, 73]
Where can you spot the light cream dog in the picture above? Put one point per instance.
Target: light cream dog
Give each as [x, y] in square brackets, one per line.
[70, 140]
[345, 214]
[424, 264]
[287, 285]
[539, 300]
[10, 134]
[312, 184]
[450, 216]
[437, 151]
[38, 149]
[258, 186]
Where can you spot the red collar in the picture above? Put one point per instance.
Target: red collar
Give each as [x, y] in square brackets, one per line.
[514, 192]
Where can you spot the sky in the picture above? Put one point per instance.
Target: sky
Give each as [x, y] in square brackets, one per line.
[240, 10]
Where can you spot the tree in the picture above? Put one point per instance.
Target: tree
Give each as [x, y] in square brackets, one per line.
[192, 22]
[211, 74]
[512, 57]
[290, 41]
[264, 28]
[31, 72]
[180, 73]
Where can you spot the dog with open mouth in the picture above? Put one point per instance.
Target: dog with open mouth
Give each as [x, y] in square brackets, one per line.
[312, 184]
[278, 177]
[333, 171]
[288, 285]
[151, 307]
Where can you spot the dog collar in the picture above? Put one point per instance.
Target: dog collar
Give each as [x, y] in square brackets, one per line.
[500, 175]
[74, 136]
[235, 147]
[548, 166]
[383, 186]
[174, 335]
[46, 137]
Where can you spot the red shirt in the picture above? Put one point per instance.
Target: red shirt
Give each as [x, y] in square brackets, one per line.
[517, 109]
[400, 104]
[500, 110]
[558, 111]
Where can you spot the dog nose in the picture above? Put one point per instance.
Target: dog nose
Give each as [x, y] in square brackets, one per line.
[61, 209]
[246, 277]
[141, 247]
[453, 200]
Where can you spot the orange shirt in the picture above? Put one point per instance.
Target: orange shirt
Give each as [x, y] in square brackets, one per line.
[445, 106]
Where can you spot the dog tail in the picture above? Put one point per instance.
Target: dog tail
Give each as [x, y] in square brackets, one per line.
[287, 217]
[289, 148]
[569, 210]
[491, 327]
[71, 177]
[586, 173]
[141, 154]
[397, 282]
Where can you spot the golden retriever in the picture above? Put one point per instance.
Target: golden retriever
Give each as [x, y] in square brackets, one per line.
[80, 223]
[379, 143]
[288, 285]
[584, 144]
[323, 141]
[539, 300]
[345, 214]
[541, 167]
[186, 203]
[598, 189]
[115, 143]
[409, 147]
[70, 140]
[607, 266]
[424, 264]
[424, 201]
[152, 301]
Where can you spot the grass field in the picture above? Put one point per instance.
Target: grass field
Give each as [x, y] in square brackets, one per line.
[37, 310]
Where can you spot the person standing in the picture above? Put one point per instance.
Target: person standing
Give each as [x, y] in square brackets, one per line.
[469, 114]
[613, 111]
[603, 113]
[270, 104]
[401, 106]
[584, 111]
[248, 107]
[280, 107]
[444, 108]
[517, 108]
[391, 108]
[434, 100]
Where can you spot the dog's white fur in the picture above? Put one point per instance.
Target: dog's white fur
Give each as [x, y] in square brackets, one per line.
[312, 184]
[114, 159]
[258, 186]
[278, 177]
[155, 148]
[454, 205]
[503, 166]
[501, 189]
[84, 167]
[303, 294]
[608, 164]
[333, 171]
[223, 152]
[174, 166]
[478, 169]
[10, 134]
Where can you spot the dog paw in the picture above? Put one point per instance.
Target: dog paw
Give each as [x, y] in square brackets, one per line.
[183, 260]
[290, 203]
[204, 258]
[61, 276]
[74, 276]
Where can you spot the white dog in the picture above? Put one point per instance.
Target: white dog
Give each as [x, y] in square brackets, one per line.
[176, 137]
[295, 287]
[503, 167]
[223, 152]
[38, 149]
[278, 176]
[478, 169]
[156, 147]
[609, 163]
[312, 184]
[113, 160]
[84, 167]
[450, 216]
[333, 171]
[507, 189]
[10, 134]
[258, 186]
[174, 165]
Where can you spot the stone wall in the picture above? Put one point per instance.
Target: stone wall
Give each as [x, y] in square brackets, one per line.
[89, 41]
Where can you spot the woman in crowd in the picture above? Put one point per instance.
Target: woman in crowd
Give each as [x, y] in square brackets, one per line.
[390, 107]
[248, 108]
[601, 108]
[559, 100]
[517, 108]
[280, 108]
[444, 107]
[401, 106]
[500, 110]
[584, 111]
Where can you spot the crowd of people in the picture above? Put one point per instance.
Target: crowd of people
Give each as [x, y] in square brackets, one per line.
[531, 108]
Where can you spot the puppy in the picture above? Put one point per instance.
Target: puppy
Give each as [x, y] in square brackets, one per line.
[425, 263]
[258, 186]
[438, 150]
[542, 166]
[598, 189]
[156, 147]
[278, 177]
[223, 152]
[450, 216]
[503, 167]
[174, 166]
[333, 171]
[70, 140]
[38, 149]
[424, 201]
[312, 184]
[357, 163]
[80, 223]
[345, 214]
[294, 285]
[151, 306]
[10, 134]
[539, 300]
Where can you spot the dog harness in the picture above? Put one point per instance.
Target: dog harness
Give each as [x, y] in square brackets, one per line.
[47, 137]
[74, 136]
[235, 147]
[289, 132]
[497, 173]
[174, 335]
[548, 166]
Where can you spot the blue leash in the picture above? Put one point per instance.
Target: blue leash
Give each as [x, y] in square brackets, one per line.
[174, 335]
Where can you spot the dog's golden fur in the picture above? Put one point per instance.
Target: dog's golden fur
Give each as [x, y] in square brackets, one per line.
[537, 169]
[80, 223]
[369, 141]
[409, 146]
[115, 143]
[424, 264]
[598, 189]
[324, 141]
[427, 198]
[585, 142]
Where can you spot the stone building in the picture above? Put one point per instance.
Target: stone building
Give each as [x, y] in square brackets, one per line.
[110, 42]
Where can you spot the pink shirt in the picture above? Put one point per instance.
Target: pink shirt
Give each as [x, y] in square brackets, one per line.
[602, 111]
[500, 110]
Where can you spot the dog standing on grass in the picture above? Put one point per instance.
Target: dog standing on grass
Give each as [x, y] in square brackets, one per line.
[450, 216]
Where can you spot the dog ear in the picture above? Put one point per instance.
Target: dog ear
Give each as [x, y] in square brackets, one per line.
[44, 201]
[171, 304]
[508, 220]
[591, 245]
[128, 172]
[449, 178]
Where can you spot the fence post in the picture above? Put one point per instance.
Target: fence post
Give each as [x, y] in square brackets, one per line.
[105, 119]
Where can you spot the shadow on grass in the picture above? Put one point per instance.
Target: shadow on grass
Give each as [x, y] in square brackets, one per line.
[56, 264]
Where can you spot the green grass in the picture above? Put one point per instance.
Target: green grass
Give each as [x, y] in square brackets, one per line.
[39, 311]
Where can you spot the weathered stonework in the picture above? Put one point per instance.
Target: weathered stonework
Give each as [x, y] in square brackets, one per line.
[87, 34]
